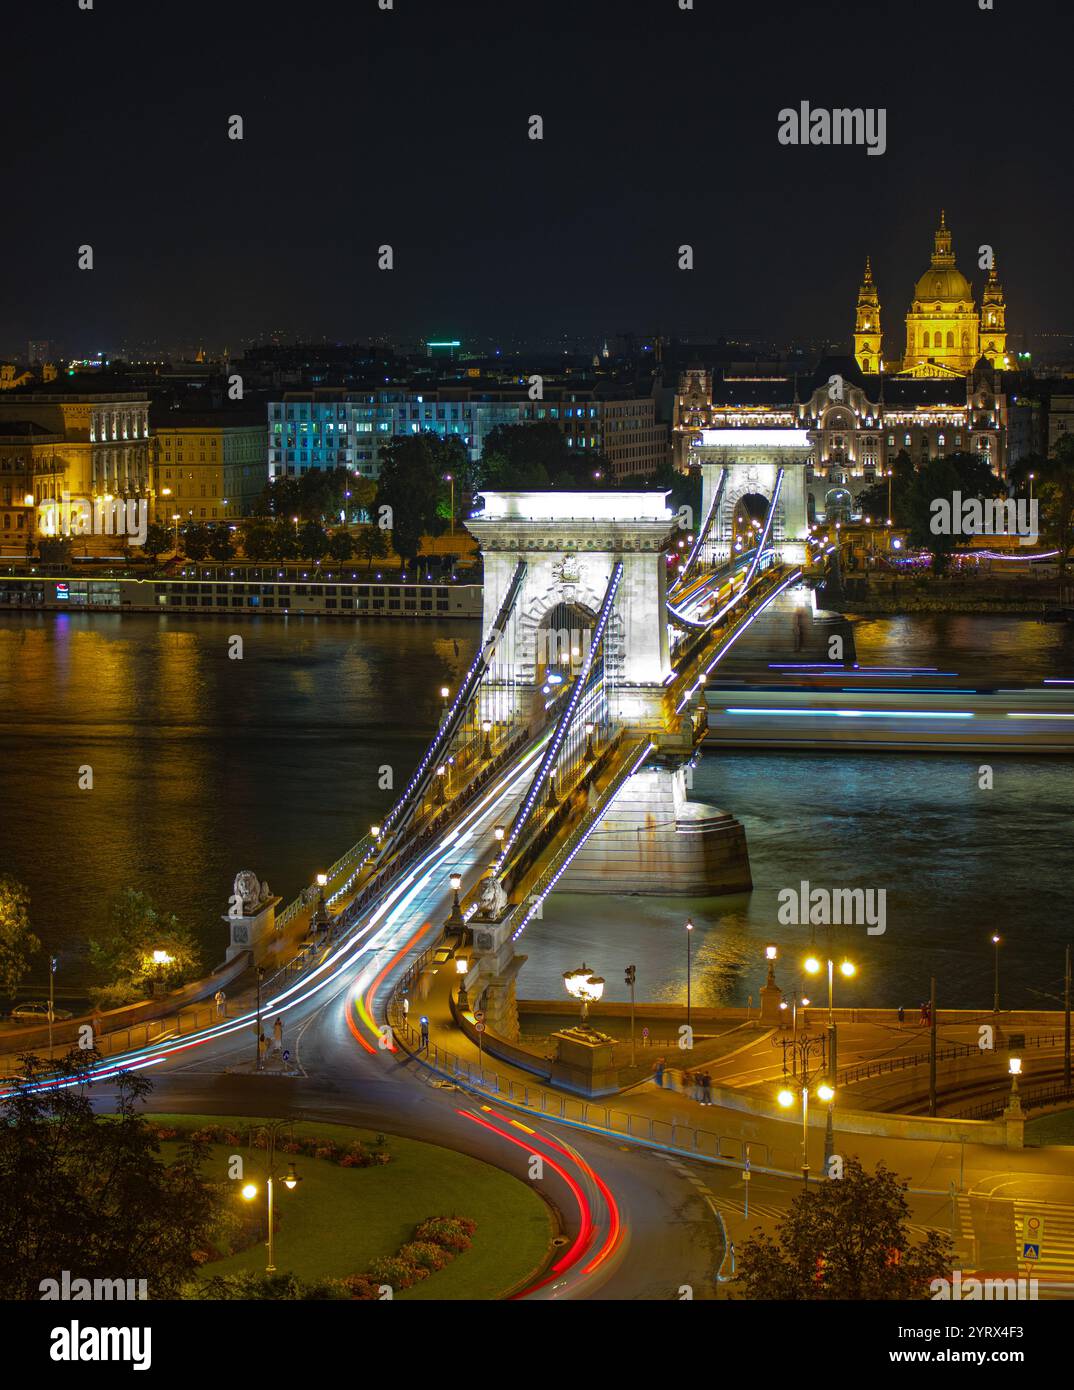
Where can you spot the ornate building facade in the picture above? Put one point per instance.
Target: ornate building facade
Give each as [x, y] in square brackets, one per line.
[945, 396]
[946, 336]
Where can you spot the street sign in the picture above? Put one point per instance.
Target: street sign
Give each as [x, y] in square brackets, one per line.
[1030, 1252]
[479, 1027]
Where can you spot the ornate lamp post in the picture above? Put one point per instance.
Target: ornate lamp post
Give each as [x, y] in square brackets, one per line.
[583, 985]
[486, 747]
[290, 1181]
[456, 922]
[462, 966]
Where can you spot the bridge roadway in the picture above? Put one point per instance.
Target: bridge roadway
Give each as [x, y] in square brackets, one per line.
[893, 718]
[635, 1229]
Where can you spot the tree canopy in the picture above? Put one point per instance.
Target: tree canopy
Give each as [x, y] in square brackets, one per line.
[844, 1238]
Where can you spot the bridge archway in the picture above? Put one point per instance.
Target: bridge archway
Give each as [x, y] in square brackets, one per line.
[753, 459]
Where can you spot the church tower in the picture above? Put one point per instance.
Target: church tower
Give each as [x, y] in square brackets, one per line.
[868, 343]
[994, 321]
[942, 325]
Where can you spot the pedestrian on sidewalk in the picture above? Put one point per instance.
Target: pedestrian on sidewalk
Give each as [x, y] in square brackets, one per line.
[924, 1013]
[262, 1048]
[706, 1088]
[658, 1071]
[902, 1015]
[221, 1003]
[277, 1035]
[406, 1008]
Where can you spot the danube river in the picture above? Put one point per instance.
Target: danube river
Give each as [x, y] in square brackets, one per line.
[203, 765]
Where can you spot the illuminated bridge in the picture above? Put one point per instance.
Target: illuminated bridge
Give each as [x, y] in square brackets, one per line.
[561, 758]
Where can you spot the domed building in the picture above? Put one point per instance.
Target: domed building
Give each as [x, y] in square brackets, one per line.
[945, 334]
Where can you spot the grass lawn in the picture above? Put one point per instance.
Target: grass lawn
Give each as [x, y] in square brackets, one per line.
[339, 1219]
[1057, 1128]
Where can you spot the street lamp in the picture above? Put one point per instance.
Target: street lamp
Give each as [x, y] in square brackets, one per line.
[486, 747]
[450, 478]
[462, 965]
[589, 741]
[290, 1181]
[499, 832]
[1014, 1066]
[848, 970]
[441, 774]
[583, 985]
[689, 930]
[995, 978]
[786, 1098]
[456, 921]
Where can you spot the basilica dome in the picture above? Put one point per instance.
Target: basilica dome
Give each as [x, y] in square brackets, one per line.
[943, 284]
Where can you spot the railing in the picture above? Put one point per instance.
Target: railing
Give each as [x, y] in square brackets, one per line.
[702, 535]
[189, 1020]
[864, 1071]
[403, 810]
[544, 884]
[1032, 1098]
[563, 724]
[490, 1084]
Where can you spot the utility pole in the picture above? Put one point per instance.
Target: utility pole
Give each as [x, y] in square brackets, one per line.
[932, 1046]
[631, 976]
[257, 1030]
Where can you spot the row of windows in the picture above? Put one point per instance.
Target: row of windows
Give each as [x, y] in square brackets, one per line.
[412, 604]
[305, 590]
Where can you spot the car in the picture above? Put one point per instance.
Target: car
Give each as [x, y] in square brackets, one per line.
[37, 1012]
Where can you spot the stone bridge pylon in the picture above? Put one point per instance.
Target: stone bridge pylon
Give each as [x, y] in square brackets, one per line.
[651, 838]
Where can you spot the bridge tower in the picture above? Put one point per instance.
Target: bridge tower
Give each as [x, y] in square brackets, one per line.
[653, 839]
[595, 579]
[753, 458]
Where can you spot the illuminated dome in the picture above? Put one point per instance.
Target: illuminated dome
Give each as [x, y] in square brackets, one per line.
[944, 285]
[943, 282]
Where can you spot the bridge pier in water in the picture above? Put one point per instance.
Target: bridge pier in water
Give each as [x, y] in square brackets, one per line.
[654, 840]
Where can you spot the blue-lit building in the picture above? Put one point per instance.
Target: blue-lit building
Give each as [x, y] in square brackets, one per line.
[326, 427]
[334, 429]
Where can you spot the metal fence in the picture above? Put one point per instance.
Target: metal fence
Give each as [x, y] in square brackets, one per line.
[865, 1070]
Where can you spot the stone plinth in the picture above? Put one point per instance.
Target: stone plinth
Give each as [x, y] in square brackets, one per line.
[653, 840]
[253, 932]
[584, 1061]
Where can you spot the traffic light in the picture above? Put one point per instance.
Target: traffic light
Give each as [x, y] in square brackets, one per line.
[631, 972]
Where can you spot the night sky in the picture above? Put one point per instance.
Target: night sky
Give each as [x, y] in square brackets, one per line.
[410, 127]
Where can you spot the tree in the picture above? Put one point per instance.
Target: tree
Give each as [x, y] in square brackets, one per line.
[88, 1193]
[195, 540]
[313, 541]
[532, 456]
[874, 500]
[221, 546]
[284, 541]
[257, 542]
[372, 544]
[845, 1238]
[158, 540]
[1056, 493]
[341, 546]
[18, 945]
[124, 948]
[411, 482]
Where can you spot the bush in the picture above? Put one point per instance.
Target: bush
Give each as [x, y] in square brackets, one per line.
[362, 1287]
[426, 1254]
[452, 1232]
[390, 1269]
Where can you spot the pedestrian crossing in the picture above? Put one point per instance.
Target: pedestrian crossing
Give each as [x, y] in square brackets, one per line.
[1019, 1235]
